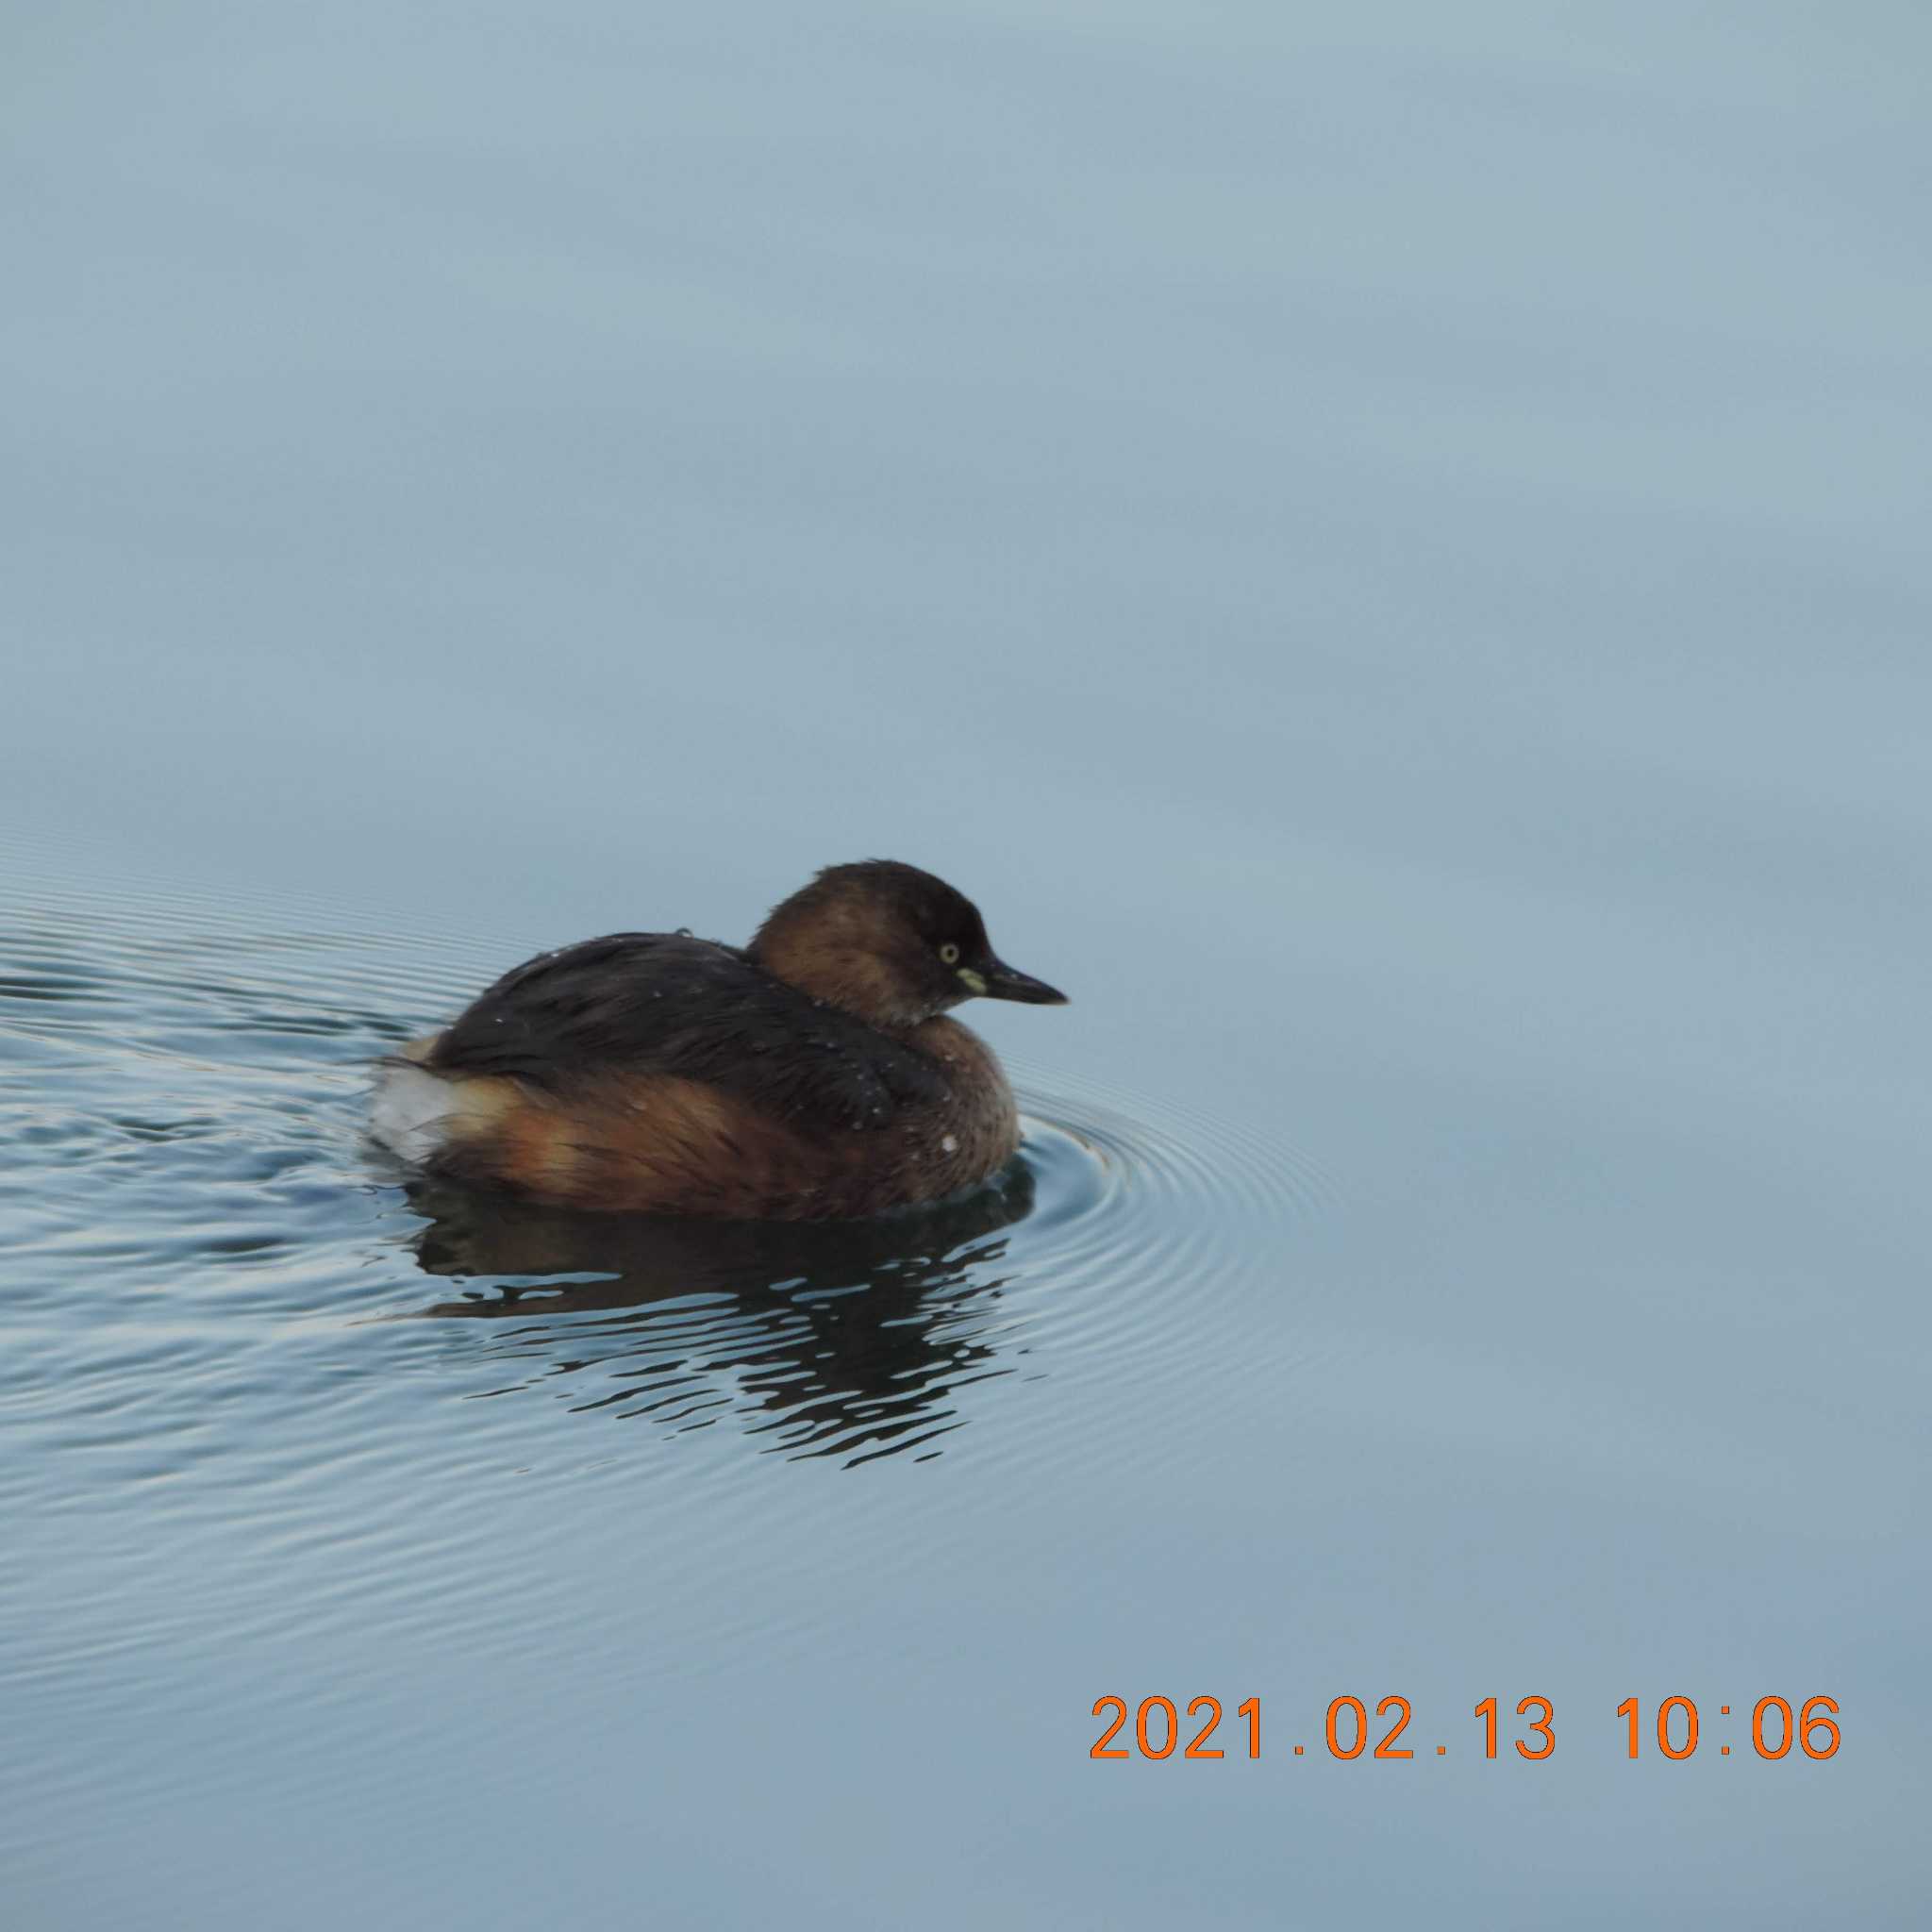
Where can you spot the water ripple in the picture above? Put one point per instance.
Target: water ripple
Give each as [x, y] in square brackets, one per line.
[244, 1357]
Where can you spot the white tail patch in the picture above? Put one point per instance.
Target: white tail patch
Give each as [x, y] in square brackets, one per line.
[411, 1112]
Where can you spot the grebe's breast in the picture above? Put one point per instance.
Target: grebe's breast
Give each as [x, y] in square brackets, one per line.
[974, 1130]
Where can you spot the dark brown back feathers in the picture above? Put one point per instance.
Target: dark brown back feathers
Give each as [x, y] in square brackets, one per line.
[663, 1003]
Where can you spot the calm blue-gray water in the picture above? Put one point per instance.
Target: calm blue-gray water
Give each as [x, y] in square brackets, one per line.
[1386, 547]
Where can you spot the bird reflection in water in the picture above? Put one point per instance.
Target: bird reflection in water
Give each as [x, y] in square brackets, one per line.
[846, 1339]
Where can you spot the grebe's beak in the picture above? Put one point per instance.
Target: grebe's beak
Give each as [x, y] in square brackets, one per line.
[1001, 982]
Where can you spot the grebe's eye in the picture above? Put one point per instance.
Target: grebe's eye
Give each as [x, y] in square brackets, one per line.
[949, 954]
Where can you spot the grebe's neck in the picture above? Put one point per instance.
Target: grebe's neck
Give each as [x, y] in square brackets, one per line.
[834, 957]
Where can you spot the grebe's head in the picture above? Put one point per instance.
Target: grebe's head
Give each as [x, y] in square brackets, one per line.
[890, 943]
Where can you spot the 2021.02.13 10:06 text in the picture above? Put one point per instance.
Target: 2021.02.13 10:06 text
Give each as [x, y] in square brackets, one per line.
[1158, 1730]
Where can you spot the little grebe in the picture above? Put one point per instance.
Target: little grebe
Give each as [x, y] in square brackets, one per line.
[811, 1076]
